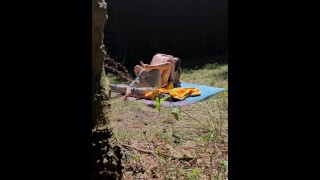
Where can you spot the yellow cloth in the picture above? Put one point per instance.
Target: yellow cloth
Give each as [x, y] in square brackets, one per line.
[176, 93]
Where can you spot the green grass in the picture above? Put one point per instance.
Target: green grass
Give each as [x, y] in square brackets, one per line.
[200, 132]
[113, 79]
[211, 75]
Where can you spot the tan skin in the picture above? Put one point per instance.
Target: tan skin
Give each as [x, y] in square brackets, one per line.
[162, 62]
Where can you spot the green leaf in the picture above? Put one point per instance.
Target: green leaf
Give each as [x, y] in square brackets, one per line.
[158, 103]
[225, 162]
[190, 176]
[163, 99]
[196, 171]
[206, 138]
[176, 112]
[211, 136]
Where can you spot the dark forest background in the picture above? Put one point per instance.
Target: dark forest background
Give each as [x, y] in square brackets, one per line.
[195, 31]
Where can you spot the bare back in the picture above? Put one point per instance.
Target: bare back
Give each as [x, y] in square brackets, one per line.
[160, 58]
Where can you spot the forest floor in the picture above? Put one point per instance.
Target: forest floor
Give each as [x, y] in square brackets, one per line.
[159, 146]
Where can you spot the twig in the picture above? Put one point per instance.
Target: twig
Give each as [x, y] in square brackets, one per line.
[191, 117]
[183, 157]
[207, 109]
[142, 150]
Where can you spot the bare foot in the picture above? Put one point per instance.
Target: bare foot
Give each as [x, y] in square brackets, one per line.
[128, 93]
[142, 64]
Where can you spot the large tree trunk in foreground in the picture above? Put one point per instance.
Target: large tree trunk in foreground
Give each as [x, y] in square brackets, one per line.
[106, 152]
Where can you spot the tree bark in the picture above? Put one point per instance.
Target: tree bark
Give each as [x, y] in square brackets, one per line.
[106, 151]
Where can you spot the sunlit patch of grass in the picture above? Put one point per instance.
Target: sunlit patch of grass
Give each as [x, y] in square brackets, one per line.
[211, 75]
[114, 79]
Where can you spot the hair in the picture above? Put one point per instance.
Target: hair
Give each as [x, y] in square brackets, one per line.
[178, 68]
[179, 71]
[177, 65]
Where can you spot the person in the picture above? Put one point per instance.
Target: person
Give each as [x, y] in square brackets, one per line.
[168, 66]
[163, 69]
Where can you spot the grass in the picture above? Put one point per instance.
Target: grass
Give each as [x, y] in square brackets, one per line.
[145, 129]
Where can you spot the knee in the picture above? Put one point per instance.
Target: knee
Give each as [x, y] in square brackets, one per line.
[137, 69]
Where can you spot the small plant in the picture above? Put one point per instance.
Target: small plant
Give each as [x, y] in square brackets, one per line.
[224, 163]
[223, 172]
[176, 112]
[195, 174]
[159, 101]
[209, 137]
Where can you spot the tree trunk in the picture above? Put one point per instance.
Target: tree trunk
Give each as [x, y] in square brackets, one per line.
[106, 152]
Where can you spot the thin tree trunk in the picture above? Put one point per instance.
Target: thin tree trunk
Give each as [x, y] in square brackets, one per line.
[106, 151]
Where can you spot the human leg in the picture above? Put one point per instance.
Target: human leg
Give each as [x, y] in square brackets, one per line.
[164, 68]
[160, 66]
[137, 69]
[118, 88]
[139, 92]
[128, 91]
[165, 76]
[144, 83]
[172, 70]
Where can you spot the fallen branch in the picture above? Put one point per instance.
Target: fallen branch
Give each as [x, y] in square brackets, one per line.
[142, 150]
[182, 157]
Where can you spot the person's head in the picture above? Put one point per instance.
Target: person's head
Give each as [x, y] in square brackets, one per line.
[177, 69]
[137, 69]
[177, 63]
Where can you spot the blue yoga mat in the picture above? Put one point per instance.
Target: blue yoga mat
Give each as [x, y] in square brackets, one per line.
[206, 91]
